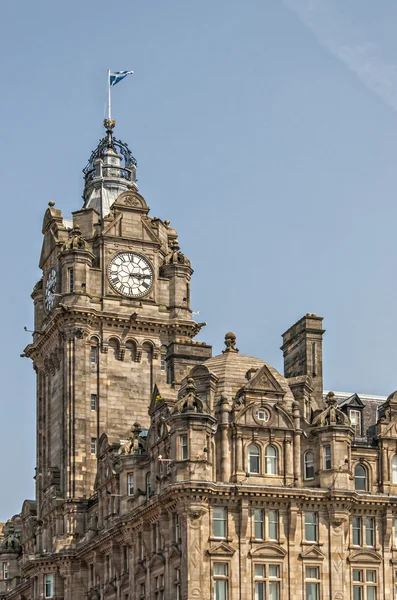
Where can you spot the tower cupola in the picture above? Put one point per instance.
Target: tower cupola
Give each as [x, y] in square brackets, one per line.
[110, 171]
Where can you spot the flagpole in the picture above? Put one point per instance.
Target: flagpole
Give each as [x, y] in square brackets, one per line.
[109, 106]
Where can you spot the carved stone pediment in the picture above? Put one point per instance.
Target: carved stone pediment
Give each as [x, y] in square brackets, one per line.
[264, 381]
[312, 552]
[131, 200]
[175, 553]
[156, 561]
[268, 550]
[140, 570]
[365, 556]
[222, 549]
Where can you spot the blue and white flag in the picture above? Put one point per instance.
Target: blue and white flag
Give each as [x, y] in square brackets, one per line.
[118, 76]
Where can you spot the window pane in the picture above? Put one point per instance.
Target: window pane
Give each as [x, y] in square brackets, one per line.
[274, 590]
[311, 572]
[369, 534]
[312, 591]
[310, 527]
[327, 457]
[220, 590]
[360, 478]
[253, 458]
[259, 590]
[357, 575]
[260, 571]
[371, 593]
[219, 522]
[258, 518]
[394, 469]
[271, 460]
[356, 529]
[220, 569]
[371, 576]
[357, 593]
[274, 571]
[273, 524]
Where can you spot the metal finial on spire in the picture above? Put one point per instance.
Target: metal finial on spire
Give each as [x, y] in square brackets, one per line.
[109, 125]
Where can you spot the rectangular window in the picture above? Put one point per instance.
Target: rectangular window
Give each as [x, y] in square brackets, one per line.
[267, 582]
[273, 525]
[177, 529]
[311, 533]
[355, 419]
[220, 581]
[49, 586]
[260, 582]
[356, 531]
[178, 593]
[94, 355]
[364, 584]
[142, 594]
[312, 583]
[93, 402]
[5, 571]
[162, 360]
[93, 445]
[219, 522]
[259, 524]
[71, 279]
[327, 458]
[130, 484]
[184, 450]
[369, 531]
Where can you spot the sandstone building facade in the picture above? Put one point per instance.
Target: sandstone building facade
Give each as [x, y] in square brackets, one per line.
[168, 474]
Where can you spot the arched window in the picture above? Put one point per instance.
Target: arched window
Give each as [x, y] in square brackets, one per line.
[360, 478]
[309, 465]
[394, 468]
[271, 460]
[253, 459]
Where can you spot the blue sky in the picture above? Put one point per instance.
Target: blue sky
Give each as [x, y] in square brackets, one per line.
[265, 131]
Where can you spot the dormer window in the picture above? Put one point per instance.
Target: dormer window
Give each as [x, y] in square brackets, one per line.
[355, 419]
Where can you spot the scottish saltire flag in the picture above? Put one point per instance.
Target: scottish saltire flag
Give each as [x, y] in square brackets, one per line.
[118, 76]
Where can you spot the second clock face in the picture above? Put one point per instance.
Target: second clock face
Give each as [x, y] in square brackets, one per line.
[50, 289]
[130, 274]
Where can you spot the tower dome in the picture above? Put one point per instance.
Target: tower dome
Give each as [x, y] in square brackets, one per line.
[110, 171]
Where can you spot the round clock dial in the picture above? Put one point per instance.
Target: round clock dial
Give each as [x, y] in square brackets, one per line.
[130, 274]
[50, 289]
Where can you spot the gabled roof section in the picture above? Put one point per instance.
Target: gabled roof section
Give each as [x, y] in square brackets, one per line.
[163, 395]
[264, 381]
[354, 401]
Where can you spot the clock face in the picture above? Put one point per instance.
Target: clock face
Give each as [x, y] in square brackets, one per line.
[130, 274]
[50, 289]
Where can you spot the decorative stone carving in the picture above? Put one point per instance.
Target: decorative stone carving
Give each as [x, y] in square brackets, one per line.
[190, 401]
[331, 415]
[175, 256]
[230, 342]
[75, 241]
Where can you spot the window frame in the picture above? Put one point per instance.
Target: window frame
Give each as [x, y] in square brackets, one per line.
[327, 458]
[5, 571]
[260, 522]
[357, 535]
[94, 446]
[313, 525]
[184, 446]
[148, 480]
[273, 522]
[313, 581]
[70, 280]
[93, 353]
[308, 465]
[220, 578]
[271, 462]
[130, 480]
[49, 580]
[363, 583]
[222, 519]
[358, 428]
[254, 456]
[93, 402]
[361, 478]
[394, 469]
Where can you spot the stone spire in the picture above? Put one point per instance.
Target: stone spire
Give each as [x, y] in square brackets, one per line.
[110, 171]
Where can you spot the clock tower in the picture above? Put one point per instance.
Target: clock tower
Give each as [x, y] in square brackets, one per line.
[112, 319]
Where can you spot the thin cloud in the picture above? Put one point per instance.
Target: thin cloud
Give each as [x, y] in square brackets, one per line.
[334, 31]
